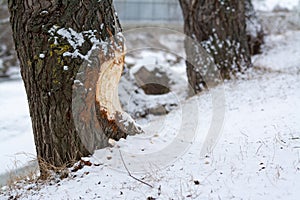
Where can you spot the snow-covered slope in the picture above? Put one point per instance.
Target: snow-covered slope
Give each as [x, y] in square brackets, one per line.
[16, 139]
[281, 53]
[257, 155]
[270, 5]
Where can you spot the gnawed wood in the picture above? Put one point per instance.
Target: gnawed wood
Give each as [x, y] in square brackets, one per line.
[107, 85]
[113, 120]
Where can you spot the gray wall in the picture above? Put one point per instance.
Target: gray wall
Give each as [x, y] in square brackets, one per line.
[153, 11]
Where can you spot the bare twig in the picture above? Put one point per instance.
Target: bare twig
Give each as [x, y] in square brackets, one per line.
[131, 174]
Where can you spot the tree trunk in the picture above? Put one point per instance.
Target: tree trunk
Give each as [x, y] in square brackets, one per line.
[71, 58]
[8, 54]
[219, 27]
[254, 29]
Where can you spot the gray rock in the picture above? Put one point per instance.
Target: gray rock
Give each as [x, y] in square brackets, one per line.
[159, 110]
[154, 82]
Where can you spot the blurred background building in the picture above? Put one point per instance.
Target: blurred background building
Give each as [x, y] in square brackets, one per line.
[149, 11]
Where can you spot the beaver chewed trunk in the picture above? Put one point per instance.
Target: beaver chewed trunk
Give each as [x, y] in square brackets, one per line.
[114, 121]
[71, 90]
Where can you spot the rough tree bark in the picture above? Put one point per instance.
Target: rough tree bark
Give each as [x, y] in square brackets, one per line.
[71, 90]
[219, 26]
[254, 29]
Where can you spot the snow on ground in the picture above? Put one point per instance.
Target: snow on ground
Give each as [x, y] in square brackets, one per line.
[270, 5]
[16, 139]
[139, 102]
[257, 155]
[287, 59]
